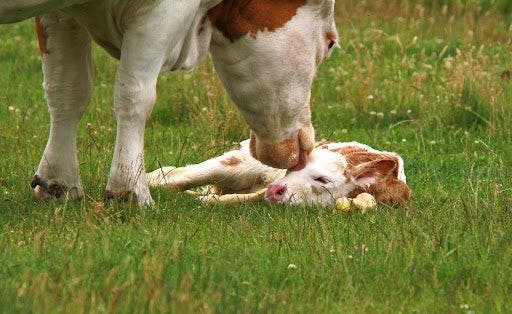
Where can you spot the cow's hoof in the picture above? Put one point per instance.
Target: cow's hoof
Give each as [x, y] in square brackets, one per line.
[53, 190]
[129, 197]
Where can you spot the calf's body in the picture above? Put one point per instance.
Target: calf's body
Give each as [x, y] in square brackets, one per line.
[334, 170]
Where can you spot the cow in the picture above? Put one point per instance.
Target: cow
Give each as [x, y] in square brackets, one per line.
[334, 170]
[266, 53]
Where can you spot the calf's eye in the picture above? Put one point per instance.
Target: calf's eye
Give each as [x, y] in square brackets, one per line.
[331, 44]
[322, 180]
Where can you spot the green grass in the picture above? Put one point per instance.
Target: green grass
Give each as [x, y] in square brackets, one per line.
[429, 82]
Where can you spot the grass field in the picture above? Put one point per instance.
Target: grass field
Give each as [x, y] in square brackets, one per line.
[432, 82]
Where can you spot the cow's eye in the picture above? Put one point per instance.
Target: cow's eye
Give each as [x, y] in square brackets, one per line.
[331, 44]
[322, 180]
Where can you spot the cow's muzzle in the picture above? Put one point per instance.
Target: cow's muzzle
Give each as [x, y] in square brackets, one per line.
[288, 154]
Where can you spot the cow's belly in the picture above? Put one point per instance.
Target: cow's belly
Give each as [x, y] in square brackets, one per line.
[107, 21]
[12, 11]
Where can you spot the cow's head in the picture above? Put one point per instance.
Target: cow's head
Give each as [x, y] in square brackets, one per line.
[330, 175]
[266, 53]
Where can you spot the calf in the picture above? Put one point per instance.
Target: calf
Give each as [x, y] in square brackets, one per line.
[334, 170]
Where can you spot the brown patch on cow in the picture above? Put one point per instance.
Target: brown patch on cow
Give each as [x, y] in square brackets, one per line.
[315, 191]
[389, 191]
[236, 18]
[349, 150]
[378, 168]
[231, 161]
[42, 36]
[359, 157]
[275, 154]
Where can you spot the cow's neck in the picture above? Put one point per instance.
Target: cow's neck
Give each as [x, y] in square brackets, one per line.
[236, 18]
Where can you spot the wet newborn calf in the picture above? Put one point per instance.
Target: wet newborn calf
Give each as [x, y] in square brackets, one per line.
[334, 170]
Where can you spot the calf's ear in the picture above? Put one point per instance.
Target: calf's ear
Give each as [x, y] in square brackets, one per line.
[367, 173]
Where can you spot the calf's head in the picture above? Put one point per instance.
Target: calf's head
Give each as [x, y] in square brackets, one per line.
[330, 175]
[266, 53]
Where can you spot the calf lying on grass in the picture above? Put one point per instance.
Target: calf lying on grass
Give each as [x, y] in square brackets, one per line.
[334, 170]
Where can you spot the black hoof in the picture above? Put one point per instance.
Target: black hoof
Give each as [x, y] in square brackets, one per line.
[50, 187]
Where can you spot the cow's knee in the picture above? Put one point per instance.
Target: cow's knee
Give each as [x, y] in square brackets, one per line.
[134, 98]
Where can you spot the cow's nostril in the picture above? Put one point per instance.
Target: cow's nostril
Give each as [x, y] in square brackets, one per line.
[281, 190]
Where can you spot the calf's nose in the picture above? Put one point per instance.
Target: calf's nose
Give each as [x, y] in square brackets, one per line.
[275, 192]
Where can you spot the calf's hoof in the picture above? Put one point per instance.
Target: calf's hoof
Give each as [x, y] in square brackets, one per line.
[53, 190]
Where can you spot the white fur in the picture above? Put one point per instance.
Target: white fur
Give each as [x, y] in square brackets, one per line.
[269, 76]
[303, 186]
[250, 175]
[68, 88]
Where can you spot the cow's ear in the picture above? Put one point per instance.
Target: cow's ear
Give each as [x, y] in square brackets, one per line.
[367, 173]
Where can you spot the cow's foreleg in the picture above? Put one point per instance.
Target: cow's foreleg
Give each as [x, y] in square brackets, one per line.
[152, 40]
[134, 97]
[67, 68]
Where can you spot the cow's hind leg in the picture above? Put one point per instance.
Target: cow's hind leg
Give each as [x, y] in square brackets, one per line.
[67, 68]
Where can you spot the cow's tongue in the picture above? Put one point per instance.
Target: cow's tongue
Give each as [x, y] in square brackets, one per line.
[303, 160]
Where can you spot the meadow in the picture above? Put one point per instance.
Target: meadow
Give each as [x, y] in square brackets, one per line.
[431, 80]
